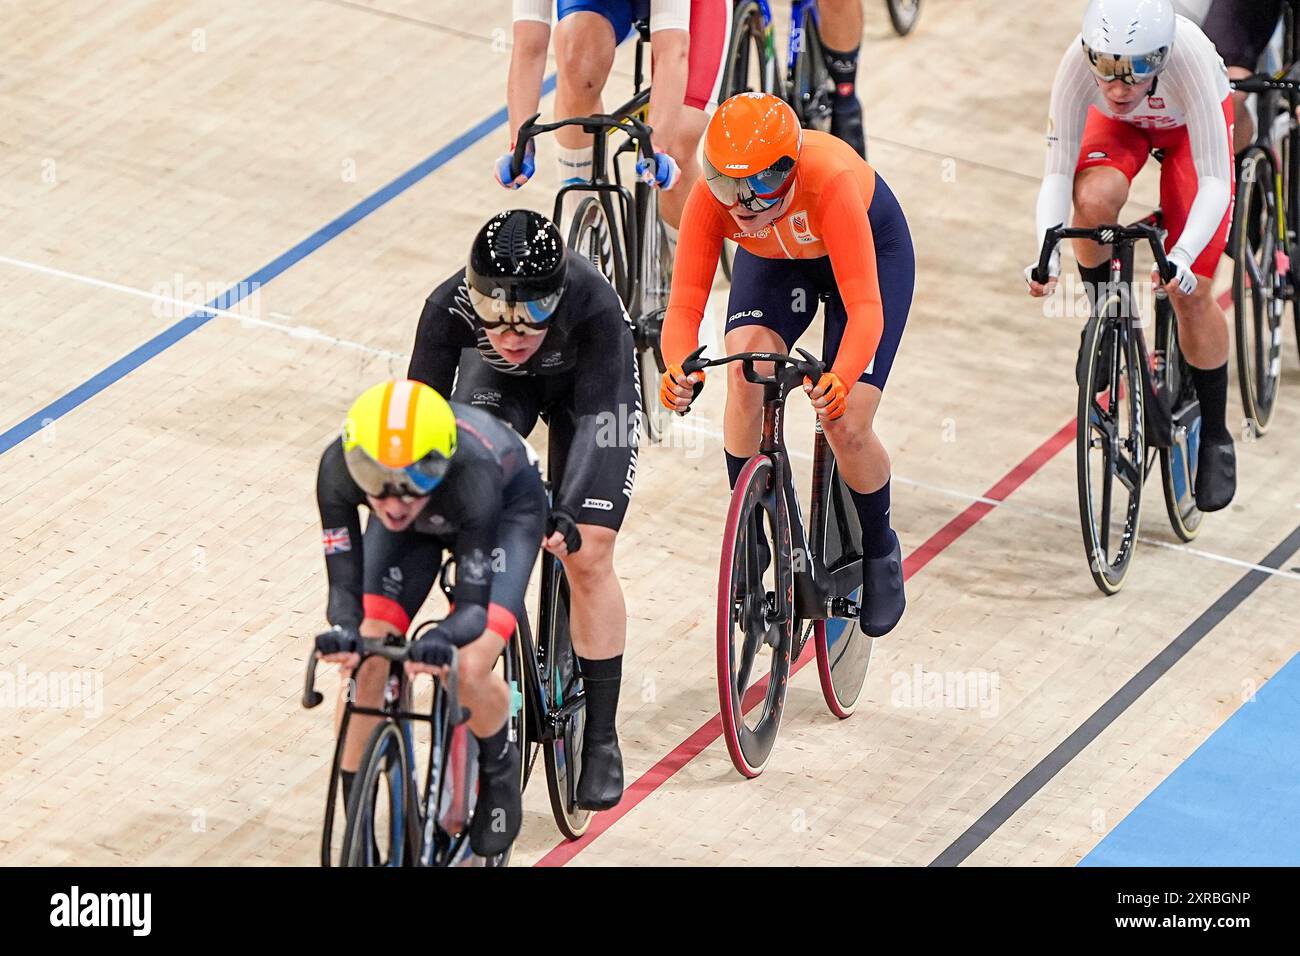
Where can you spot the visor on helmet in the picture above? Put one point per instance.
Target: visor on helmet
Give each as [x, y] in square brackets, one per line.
[529, 317]
[415, 480]
[756, 192]
[1131, 70]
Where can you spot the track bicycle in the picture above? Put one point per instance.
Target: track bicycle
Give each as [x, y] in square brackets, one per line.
[780, 583]
[1130, 401]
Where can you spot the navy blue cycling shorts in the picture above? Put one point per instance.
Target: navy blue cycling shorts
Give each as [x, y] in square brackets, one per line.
[781, 294]
[619, 13]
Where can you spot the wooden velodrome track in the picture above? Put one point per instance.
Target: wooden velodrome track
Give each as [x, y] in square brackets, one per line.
[157, 469]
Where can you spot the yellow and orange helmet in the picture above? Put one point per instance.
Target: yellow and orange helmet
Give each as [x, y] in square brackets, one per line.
[750, 150]
[398, 439]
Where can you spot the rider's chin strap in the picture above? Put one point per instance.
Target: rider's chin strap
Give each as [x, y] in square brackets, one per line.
[1154, 83]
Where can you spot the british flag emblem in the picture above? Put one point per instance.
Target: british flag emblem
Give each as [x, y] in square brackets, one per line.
[336, 541]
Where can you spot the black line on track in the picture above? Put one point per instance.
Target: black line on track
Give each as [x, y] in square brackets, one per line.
[1120, 701]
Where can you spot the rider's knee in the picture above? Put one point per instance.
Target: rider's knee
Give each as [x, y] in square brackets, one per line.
[595, 559]
[581, 52]
[1098, 198]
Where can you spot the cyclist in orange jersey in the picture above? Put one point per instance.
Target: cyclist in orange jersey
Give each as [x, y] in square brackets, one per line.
[814, 222]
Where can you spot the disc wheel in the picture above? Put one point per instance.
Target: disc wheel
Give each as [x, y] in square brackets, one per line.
[1257, 287]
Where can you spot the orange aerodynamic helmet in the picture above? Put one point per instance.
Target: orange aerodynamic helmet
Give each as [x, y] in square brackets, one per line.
[750, 151]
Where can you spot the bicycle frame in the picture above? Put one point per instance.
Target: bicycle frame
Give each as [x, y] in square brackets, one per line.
[794, 46]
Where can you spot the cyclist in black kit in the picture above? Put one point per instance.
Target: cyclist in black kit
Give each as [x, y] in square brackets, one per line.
[433, 475]
[525, 332]
[1240, 31]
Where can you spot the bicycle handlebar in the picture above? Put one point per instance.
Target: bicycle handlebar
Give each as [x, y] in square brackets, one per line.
[1262, 82]
[805, 364]
[1104, 235]
[634, 128]
[379, 647]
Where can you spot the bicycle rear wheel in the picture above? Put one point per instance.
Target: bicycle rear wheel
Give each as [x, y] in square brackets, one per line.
[751, 67]
[562, 690]
[903, 14]
[1257, 286]
[1110, 447]
[753, 644]
[843, 650]
[1178, 461]
[592, 236]
[382, 808]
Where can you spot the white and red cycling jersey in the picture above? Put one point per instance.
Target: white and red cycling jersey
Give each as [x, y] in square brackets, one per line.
[1187, 114]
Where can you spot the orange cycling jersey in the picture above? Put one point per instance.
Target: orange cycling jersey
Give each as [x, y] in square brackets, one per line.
[827, 216]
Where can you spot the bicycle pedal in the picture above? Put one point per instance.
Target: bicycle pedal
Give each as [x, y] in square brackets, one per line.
[845, 608]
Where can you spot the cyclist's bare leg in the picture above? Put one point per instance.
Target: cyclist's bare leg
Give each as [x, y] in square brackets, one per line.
[1243, 126]
[862, 459]
[1202, 326]
[840, 23]
[742, 418]
[367, 687]
[1099, 196]
[482, 690]
[682, 145]
[584, 50]
[597, 611]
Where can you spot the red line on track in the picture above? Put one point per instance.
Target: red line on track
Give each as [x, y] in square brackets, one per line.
[711, 730]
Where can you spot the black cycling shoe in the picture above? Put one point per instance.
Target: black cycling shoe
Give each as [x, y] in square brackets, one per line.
[883, 598]
[1216, 475]
[846, 122]
[500, 810]
[600, 786]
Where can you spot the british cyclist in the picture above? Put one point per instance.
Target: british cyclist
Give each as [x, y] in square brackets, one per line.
[432, 475]
[1140, 78]
[812, 221]
[688, 43]
[526, 331]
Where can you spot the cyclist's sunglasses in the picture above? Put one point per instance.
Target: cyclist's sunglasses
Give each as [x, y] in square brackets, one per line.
[526, 318]
[1130, 70]
[757, 192]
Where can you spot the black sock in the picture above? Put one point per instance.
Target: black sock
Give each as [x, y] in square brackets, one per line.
[873, 513]
[843, 67]
[600, 686]
[1212, 391]
[1095, 279]
[493, 749]
[347, 776]
[734, 464]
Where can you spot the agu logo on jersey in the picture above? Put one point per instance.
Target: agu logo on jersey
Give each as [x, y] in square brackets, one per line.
[799, 226]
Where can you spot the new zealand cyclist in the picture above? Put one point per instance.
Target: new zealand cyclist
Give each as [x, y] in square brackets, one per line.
[813, 221]
[433, 475]
[1136, 79]
[525, 332]
[688, 43]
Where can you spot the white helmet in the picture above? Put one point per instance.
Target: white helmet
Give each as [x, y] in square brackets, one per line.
[1128, 40]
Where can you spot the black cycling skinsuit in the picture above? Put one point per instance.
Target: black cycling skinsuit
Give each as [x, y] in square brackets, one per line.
[490, 509]
[583, 382]
[1241, 29]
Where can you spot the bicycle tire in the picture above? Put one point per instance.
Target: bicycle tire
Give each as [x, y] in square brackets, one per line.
[751, 747]
[1257, 307]
[385, 754]
[560, 683]
[1109, 573]
[903, 14]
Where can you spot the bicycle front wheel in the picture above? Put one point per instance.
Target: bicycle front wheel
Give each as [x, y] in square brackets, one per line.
[1256, 304]
[382, 808]
[1110, 448]
[593, 237]
[753, 639]
[656, 280]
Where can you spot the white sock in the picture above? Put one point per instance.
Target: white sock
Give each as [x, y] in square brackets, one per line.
[575, 167]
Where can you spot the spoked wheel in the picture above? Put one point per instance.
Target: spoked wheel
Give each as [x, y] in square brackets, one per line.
[1257, 287]
[753, 643]
[813, 90]
[1178, 462]
[592, 236]
[1110, 448]
[656, 281]
[843, 650]
[562, 690]
[751, 67]
[903, 14]
[380, 829]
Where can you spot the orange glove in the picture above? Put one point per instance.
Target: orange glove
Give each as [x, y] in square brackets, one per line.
[832, 393]
[667, 386]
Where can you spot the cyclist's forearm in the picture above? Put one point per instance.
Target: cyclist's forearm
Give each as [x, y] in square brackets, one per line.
[1212, 197]
[671, 49]
[1054, 197]
[527, 70]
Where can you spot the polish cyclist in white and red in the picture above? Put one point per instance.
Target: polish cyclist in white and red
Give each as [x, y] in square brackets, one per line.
[1139, 78]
